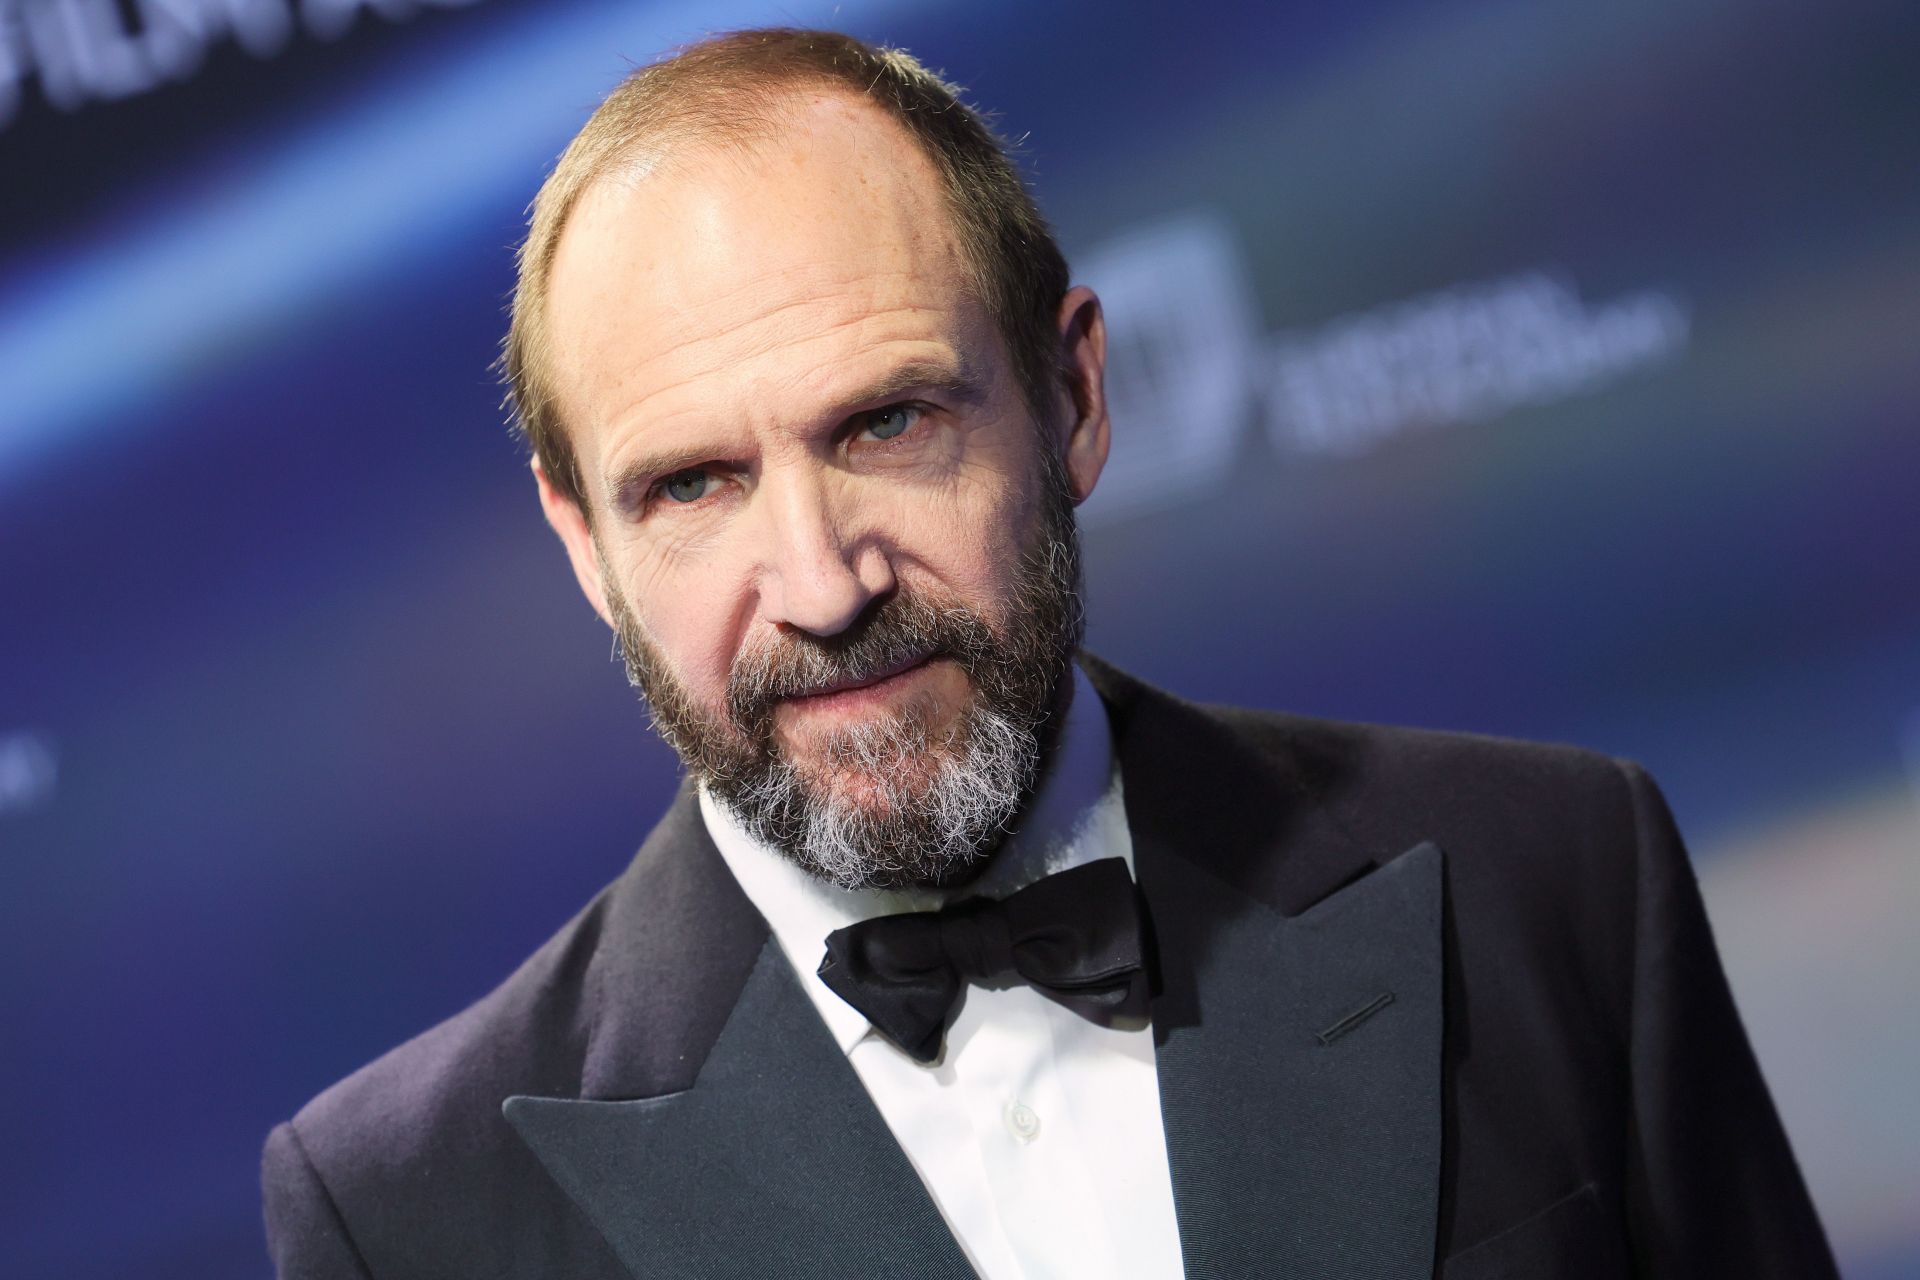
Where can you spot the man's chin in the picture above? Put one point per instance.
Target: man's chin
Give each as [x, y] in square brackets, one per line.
[866, 793]
[927, 819]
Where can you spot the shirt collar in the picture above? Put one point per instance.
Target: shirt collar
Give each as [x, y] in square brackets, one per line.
[1077, 815]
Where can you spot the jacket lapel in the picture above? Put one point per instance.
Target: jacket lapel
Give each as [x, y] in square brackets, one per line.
[719, 1130]
[1300, 1090]
[1298, 1054]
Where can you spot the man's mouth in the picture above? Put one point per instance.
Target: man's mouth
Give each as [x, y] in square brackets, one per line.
[840, 689]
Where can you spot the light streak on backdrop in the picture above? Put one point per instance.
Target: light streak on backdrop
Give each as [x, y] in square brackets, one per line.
[210, 270]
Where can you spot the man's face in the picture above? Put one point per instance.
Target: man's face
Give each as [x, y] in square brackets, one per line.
[837, 547]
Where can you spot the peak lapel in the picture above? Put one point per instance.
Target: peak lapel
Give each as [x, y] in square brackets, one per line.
[1298, 1056]
[1300, 1084]
[720, 1131]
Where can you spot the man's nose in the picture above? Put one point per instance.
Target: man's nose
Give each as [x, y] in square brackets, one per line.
[815, 576]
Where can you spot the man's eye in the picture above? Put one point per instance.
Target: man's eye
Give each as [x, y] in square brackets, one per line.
[686, 486]
[894, 420]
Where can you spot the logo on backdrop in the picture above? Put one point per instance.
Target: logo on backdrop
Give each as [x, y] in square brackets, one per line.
[1191, 369]
[85, 51]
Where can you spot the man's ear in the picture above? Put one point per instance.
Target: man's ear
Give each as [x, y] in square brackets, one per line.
[1083, 406]
[567, 520]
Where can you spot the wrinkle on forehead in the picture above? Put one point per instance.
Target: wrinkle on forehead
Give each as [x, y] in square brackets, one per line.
[660, 382]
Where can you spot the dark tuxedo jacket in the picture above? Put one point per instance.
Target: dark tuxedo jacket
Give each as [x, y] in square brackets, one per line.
[1428, 1004]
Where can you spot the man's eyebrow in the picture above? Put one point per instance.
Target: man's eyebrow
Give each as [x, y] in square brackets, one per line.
[951, 379]
[938, 377]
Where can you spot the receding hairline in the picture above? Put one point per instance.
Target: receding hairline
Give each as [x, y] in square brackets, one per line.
[690, 136]
[645, 160]
[737, 130]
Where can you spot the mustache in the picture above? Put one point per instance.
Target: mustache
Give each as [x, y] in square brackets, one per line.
[899, 631]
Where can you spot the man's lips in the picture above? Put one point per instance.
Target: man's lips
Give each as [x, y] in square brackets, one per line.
[865, 682]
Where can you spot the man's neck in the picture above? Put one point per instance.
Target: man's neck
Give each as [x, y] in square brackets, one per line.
[1074, 776]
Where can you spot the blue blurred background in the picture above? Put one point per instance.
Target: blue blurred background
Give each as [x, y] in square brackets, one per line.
[1542, 370]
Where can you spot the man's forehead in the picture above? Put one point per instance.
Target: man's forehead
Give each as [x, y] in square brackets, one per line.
[828, 233]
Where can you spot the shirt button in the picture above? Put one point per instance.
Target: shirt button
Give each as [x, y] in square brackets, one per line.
[1022, 1121]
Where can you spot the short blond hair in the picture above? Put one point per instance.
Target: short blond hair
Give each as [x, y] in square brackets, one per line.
[728, 89]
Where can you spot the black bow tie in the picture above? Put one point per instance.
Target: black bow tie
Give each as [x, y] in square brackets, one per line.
[1075, 937]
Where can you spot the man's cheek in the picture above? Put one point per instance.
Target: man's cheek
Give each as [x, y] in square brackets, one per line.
[695, 650]
[970, 547]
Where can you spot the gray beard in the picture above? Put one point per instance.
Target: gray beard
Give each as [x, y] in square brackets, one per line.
[928, 806]
[908, 829]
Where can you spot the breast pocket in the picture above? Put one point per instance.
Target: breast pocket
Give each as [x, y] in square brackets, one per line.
[1571, 1239]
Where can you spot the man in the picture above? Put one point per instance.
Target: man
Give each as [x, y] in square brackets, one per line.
[811, 404]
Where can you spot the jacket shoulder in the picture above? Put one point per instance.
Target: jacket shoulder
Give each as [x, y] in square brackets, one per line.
[1431, 774]
[524, 1036]
[1522, 824]
[1353, 753]
[408, 1161]
[1476, 795]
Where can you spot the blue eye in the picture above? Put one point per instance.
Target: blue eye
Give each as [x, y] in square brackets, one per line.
[685, 486]
[894, 420]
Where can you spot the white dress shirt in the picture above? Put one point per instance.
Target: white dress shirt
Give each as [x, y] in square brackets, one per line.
[1037, 1133]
